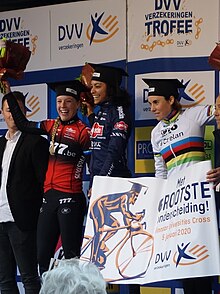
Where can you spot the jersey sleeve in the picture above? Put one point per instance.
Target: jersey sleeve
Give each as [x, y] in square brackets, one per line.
[201, 113]
[119, 136]
[85, 140]
[91, 119]
[159, 163]
[85, 144]
[20, 119]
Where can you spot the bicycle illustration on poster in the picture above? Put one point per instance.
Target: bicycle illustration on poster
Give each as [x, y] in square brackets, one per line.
[145, 230]
[120, 235]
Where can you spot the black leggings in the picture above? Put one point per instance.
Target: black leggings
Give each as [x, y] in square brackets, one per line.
[61, 214]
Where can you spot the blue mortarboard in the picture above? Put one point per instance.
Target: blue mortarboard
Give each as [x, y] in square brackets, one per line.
[136, 187]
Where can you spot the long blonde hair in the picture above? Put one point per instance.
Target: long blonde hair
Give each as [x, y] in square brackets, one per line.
[55, 127]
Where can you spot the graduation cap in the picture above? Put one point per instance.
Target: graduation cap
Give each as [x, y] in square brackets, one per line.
[69, 88]
[163, 87]
[136, 187]
[108, 74]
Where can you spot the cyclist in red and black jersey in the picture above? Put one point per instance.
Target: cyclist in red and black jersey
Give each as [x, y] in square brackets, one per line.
[64, 205]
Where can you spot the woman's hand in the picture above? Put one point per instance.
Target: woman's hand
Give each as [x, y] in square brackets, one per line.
[89, 193]
[213, 176]
[6, 86]
[87, 103]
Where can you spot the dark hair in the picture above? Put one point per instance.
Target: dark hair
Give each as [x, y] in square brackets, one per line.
[176, 104]
[18, 95]
[118, 96]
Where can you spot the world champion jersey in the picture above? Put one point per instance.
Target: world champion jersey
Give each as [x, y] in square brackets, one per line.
[179, 142]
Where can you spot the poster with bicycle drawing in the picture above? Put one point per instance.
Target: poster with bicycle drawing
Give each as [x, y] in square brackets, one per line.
[146, 229]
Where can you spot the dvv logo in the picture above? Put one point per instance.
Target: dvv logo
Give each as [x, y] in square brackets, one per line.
[102, 28]
[190, 254]
[195, 96]
[162, 256]
[33, 104]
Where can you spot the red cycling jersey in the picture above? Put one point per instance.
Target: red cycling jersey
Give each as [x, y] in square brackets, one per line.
[65, 167]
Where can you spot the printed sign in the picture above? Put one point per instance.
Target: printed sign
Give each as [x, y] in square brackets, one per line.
[145, 230]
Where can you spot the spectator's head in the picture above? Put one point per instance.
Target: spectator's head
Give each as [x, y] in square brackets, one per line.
[5, 111]
[20, 97]
[73, 276]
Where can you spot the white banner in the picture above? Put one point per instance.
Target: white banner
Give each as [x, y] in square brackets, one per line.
[177, 28]
[166, 230]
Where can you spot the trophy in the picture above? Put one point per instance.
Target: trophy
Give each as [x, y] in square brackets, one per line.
[85, 78]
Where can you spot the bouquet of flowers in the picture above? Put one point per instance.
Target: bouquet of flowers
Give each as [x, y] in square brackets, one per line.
[214, 58]
[13, 60]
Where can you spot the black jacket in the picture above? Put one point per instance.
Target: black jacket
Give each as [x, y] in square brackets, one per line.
[25, 178]
[217, 139]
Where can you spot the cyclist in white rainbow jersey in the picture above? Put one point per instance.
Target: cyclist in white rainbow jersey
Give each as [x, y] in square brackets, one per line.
[178, 141]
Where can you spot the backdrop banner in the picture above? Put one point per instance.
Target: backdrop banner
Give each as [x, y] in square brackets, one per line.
[148, 229]
[171, 28]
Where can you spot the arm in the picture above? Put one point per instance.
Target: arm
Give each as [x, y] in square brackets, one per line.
[91, 118]
[213, 176]
[127, 214]
[21, 121]
[202, 114]
[121, 127]
[85, 143]
[160, 166]
[88, 109]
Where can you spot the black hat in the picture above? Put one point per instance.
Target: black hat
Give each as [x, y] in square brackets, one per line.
[108, 74]
[70, 88]
[163, 87]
